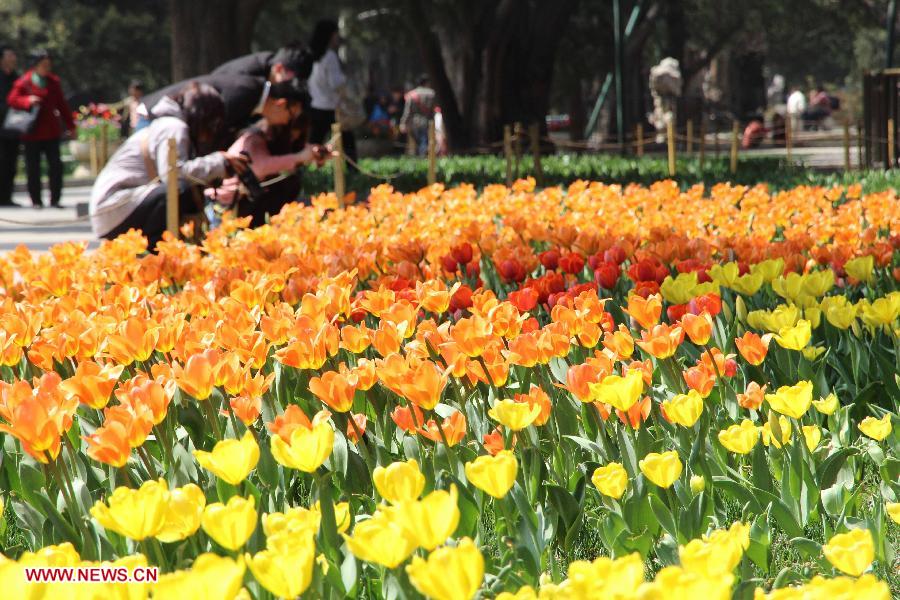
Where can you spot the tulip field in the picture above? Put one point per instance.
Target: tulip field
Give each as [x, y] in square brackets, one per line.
[593, 391]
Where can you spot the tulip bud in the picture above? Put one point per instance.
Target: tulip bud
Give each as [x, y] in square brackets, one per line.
[698, 484]
[740, 310]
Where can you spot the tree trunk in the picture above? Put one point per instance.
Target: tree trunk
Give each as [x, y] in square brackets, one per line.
[226, 26]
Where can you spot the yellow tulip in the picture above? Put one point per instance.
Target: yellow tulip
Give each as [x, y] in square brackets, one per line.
[494, 475]
[792, 400]
[794, 337]
[308, 448]
[342, 515]
[679, 290]
[513, 415]
[826, 405]
[231, 460]
[661, 468]
[211, 576]
[526, 592]
[838, 311]
[748, 284]
[380, 540]
[449, 573]
[725, 274]
[678, 583]
[861, 268]
[697, 483]
[818, 283]
[136, 514]
[431, 520]
[789, 287]
[783, 315]
[893, 510]
[684, 409]
[183, 513]
[769, 269]
[740, 439]
[877, 429]
[399, 481]
[784, 426]
[285, 574]
[619, 392]
[813, 314]
[604, 577]
[293, 521]
[882, 311]
[811, 353]
[851, 552]
[231, 524]
[611, 480]
[812, 434]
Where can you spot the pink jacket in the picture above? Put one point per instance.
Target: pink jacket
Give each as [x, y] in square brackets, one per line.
[263, 163]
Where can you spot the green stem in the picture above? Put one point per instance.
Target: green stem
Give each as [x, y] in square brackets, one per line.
[211, 416]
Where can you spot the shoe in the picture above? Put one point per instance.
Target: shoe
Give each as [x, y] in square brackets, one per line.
[37, 206]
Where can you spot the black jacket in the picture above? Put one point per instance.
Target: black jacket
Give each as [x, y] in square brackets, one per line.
[257, 64]
[241, 94]
[6, 83]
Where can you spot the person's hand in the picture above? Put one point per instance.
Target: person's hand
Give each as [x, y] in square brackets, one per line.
[237, 163]
[324, 153]
[34, 100]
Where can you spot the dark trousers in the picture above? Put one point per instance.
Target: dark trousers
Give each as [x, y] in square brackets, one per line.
[320, 132]
[9, 159]
[272, 200]
[150, 215]
[33, 152]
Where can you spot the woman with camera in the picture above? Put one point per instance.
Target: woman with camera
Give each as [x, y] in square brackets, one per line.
[276, 144]
[130, 192]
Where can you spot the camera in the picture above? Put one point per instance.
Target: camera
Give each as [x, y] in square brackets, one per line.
[250, 182]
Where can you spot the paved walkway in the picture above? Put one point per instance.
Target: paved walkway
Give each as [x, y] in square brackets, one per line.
[46, 226]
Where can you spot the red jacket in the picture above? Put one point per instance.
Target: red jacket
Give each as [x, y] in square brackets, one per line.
[53, 107]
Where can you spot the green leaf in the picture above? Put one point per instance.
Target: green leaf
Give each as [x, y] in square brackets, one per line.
[827, 472]
[738, 491]
[807, 547]
[663, 515]
[785, 518]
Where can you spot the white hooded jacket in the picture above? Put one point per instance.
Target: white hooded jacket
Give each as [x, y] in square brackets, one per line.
[124, 182]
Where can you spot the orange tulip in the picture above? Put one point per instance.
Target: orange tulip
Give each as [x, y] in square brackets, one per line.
[493, 441]
[153, 394]
[454, 428]
[472, 335]
[303, 353]
[136, 424]
[37, 417]
[423, 384]
[387, 339]
[753, 347]
[620, 342]
[406, 419]
[109, 444]
[10, 351]
[700, 379]
[697, 327]
[753, 397]
[537, 397]
[662, 340]
[355, 339]
[645, 311]
[334, 389]
[637, 414]
[525, 350]
[92, 384]
[135, 339]
[360, 420]
[294, 417]
[229, 373]
[590, 334]
[197, 377]
[579, 378]
[644, 366]
[246, 408]
[365, 374]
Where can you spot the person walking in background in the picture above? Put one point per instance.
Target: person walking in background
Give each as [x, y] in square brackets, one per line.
[40, 87]
[9, 142]
[418, 112]
[326, 84]
[796, 105]
[131, 119]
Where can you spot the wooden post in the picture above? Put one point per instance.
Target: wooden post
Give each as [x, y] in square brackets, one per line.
[432, 154]
[508, 152]
[847, 145]
[172, 215]
[339, 184]
[734, 147]
[690, 136]
[670, 139]
[639, 140]
[95, 156]
[788, 139]
[891, 156]
[517, 145]
[702, 142]
[104, 145]
[534, 133]
[860, 132]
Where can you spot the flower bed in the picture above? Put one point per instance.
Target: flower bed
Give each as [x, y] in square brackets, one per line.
[593, 392]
